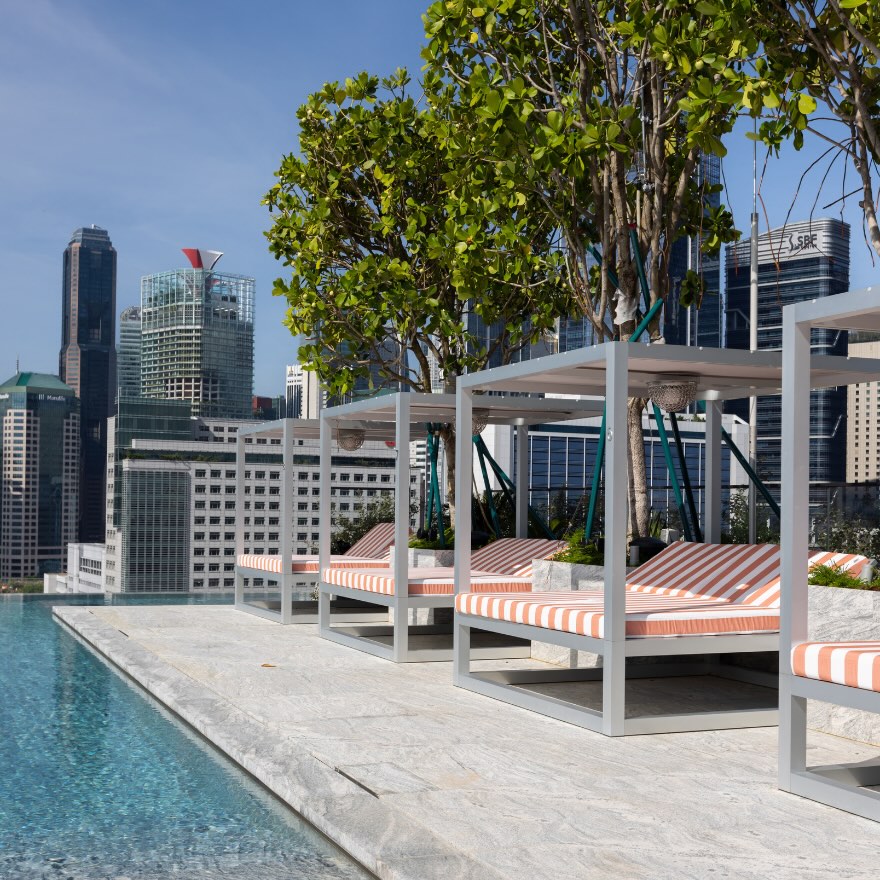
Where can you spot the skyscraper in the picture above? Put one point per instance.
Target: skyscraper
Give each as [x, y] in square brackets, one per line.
[128, 355]
[303, 393]
[799, 261]
[702, 323]
[197, 337]
[87, 362]
[39, 445]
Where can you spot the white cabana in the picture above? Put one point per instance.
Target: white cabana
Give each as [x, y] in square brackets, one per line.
[392, 417]
[845, 673]
[606, 619]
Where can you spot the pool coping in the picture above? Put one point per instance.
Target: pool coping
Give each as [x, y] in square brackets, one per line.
[382, 839]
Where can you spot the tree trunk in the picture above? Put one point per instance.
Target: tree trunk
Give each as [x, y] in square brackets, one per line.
[447, 435]
[639, 506]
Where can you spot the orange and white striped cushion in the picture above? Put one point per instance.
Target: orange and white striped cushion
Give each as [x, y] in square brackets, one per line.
[743, 574]
[375, 544]
[423, 581]
[304, 564]
[854, 664]
[582, 613]
[514, 556]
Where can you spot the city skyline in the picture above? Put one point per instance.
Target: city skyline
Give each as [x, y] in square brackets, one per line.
[203, 184]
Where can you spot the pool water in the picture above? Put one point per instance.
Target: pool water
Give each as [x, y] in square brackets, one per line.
[98, 782]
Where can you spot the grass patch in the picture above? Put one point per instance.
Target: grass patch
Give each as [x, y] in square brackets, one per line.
[834, 576]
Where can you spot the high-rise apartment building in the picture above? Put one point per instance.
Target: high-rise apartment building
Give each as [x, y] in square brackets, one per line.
[40, 476]
[128, 353]
[87, 362]
[197, 337]
[799, 261]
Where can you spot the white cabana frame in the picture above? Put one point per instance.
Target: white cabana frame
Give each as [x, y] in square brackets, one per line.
[616, 371]
[283, 432]
[841, 786]
[392, 417]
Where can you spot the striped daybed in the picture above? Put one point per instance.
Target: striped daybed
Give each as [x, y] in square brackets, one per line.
[691, 598]
[845, 673]
[371, 551]
[504, 566]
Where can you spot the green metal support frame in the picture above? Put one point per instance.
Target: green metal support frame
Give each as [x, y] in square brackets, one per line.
[686, 478]
[435, 503]
[670, 466]
[759, 484]
[493, 513]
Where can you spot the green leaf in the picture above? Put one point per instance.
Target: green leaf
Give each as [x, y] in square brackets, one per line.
[554, 120]
[806, 104]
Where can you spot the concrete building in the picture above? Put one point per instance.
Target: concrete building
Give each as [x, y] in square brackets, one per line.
[197, 337]
[40, 475]
[87, 362]
[863, 417]
[84, 572]
[304, 396]
[128, 353]
[801, 261]
[175, 504]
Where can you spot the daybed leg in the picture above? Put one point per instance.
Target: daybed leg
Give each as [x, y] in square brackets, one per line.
[239, 588]
[400, 648]
[614, 690]
[792, 733]
[286, 599]
[461, 651]
[323, 612]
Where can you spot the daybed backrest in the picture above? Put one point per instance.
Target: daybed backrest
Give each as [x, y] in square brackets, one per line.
[375, 544]
[514, 556]
[743, 574]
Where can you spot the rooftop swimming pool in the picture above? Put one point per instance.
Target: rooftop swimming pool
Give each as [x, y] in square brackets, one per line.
[99, 783]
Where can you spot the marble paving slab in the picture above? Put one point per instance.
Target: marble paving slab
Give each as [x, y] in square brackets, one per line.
[417, 779]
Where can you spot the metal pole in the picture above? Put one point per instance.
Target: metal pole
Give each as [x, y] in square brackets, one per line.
[753, 344]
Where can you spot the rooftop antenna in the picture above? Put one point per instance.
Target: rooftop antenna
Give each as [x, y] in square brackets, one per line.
[17, 370]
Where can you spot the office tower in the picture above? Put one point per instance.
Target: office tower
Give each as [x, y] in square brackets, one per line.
[863, 416]
[87, 362]
[799, 261]
[39, 492]
[693, 325]
[197, 337]
[305, 399]
[128, 354]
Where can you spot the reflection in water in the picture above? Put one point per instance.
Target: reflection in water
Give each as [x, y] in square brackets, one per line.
[97, 781]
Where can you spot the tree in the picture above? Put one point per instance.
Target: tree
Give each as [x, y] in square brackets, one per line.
[600, 111]
[393, 243]
[823, 51]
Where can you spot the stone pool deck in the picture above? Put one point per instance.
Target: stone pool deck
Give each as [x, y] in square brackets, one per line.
[419, 780]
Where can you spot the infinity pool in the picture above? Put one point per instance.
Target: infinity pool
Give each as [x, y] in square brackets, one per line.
[98, 783]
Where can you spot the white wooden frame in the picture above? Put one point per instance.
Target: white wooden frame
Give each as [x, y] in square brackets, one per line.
[840, 786]
[619, 370]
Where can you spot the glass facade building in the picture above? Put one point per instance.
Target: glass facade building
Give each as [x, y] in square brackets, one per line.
[800, 261]
[699, 324]
[128, 353]
[87, 362]
[197, 340]
[562, 458]
[40, 474]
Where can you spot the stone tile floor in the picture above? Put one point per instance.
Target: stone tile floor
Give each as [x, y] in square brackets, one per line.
[418, 779]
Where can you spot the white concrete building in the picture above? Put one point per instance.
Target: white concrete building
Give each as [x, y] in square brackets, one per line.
[863, 417]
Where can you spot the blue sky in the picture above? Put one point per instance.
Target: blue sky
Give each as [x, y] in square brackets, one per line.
[164, 122]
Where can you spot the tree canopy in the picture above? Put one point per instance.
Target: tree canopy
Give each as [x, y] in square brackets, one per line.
[393, 246]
